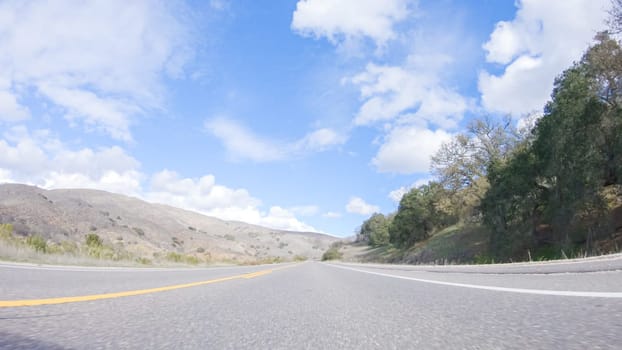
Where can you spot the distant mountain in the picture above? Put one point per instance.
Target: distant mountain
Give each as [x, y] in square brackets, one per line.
[146, 230]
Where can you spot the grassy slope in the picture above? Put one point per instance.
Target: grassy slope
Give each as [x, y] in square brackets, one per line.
[454, 244]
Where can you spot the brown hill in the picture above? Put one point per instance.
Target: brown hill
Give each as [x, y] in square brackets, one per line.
[144, 230]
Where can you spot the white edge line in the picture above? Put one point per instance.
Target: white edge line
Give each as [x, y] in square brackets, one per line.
[77, 268]
[493, 288]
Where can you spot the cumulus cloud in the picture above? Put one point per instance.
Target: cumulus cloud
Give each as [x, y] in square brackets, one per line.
[205, 196]
[536, 46]
[357, 205]
[38, 158]
[409, 93]
[97, 62]
[282, 218]
[242, 143]
[202, 194]
[397, 194]
[408, 149]
[10, 109]
[345, 20]
[408, 100]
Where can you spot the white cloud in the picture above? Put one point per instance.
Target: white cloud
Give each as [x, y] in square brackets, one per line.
[37, 158]
[108, 114]
[408, 149]
[242, 143]
[332, 215]
[5, 176]
[202, 194]
[411, 93]
[397, 194]
[10, 109]
[343, 21]
[101, 62]
[357, 205]
[127, 182]
[281, 218]
[535, 47]
[407, 99]
[319, 140]
[205, 196]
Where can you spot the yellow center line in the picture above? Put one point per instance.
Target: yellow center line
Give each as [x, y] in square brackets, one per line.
[62, 300]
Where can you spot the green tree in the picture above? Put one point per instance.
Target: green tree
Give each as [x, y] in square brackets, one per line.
[549, 192]
[375, 230]
[512, 205]
[461, 164]
[419, 213]
[579, 143]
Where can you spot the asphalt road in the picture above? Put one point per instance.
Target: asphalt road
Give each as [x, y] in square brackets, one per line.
[312, 305]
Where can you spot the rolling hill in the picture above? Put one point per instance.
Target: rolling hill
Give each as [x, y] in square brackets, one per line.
[140, 230]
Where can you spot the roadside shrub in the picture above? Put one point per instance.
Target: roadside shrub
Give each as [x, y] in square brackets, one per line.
[267, 260]
[180, 258]
[6, 232]
[143, 261]
[174, 257]
[38, 243]
[69, 247]
[93, 240]
[332, 253]
[192, 260]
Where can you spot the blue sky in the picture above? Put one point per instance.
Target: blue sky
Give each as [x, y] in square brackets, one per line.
[302, 115]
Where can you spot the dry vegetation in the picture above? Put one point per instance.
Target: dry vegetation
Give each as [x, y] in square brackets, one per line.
[95, 227]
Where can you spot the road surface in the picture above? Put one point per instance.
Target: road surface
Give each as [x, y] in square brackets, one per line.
[313, 305]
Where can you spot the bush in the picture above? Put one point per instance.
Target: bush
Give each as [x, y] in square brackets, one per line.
[6, 231]
[332, 253]
[139, 231]
[93, 240]
[174, 257]
[192, 260]
[38, 243]
[179, 258]
[143, 261]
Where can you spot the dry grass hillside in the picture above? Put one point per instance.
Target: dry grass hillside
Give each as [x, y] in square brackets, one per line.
[132, 229]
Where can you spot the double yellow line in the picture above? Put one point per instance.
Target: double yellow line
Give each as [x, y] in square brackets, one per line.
[62, 300]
